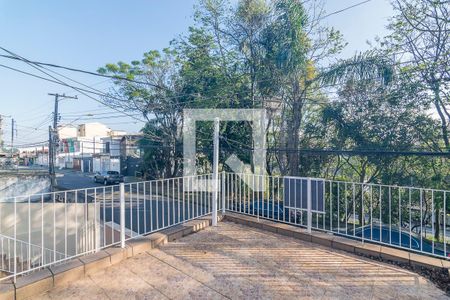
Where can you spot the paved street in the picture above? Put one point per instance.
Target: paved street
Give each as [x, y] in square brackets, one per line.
[144, 216]
[70, 180]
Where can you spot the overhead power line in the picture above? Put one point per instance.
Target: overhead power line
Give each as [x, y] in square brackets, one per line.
[232, 93]
[103, 94]
[386, 152]
[344, 9]
[362, 152]
[350, 152]
[84, 91]
[114, 77]
[80, 90]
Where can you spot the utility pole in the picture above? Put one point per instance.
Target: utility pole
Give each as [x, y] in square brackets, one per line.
[13, 131]
[51, 166]
[53, 138]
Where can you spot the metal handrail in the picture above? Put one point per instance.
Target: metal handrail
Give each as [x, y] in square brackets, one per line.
[29, 255]
[369, 212]
[86, 220]
[72, 223]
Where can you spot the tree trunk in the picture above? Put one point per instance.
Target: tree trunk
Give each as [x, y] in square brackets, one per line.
[293, 138]
[360, 195]
[444, 129]
[436, 225]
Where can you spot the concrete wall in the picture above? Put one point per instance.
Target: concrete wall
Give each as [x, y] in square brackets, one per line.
[93, 129]
[15, 185]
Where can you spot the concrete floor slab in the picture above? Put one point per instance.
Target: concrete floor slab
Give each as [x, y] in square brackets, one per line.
[235, 261]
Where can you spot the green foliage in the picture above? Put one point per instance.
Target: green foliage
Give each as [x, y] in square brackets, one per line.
[368, 66]
[266, 54]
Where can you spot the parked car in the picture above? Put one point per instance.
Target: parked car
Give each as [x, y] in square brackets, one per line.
[108, 177]
[270, 209]
[397, 238]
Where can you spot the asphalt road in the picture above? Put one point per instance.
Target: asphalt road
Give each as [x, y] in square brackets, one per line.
[70, 180]
[154, 214]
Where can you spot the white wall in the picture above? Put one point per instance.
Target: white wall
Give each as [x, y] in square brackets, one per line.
[96, 165]
[90, 145]
[105, 163]
[114, 145]
[53, 220]
[65, 132]
[114, 164]
[93, 129]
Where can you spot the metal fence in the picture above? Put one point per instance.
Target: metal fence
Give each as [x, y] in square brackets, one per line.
[19, 256]
[46, 229]
[411, 218]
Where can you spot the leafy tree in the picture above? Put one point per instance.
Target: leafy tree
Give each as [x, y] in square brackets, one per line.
[294, 43]
[269, 54]
[154, 94]
[420, 38]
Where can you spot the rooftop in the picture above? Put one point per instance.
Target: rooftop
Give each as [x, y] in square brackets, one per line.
[236, 261]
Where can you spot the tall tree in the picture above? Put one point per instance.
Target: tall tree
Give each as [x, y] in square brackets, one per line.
[294, 44]
[154, 94]
[420, 37]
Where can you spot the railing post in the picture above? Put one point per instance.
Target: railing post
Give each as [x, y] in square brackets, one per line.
[309, 205]
[122, 215]
[223, 193]
[97, 223]
[15, 239]
[215, 172]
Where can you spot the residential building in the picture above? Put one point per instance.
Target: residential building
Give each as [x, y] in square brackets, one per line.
[67, 131]
[109, 159]
[33, 156]
[94, 129]
[93, 147]
[78, 147]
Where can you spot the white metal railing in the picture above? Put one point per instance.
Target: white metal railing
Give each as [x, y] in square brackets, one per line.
[45, 229]
[20, 256]
[411, 218]
[66, 224]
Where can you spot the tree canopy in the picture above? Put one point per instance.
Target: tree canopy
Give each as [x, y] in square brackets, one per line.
[277, 55]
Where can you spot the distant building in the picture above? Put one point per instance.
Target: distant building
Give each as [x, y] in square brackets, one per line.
[94, 129]
[109, 159]
[77, 152]
[92, 147]
[111, 144]
[82, 148]
[33, 156]
[67, 131]
[78, 146]
[117, 133]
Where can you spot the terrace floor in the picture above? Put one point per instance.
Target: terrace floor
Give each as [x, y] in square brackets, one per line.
[234, 262]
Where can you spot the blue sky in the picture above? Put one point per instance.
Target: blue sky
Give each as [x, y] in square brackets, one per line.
[88, 34]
